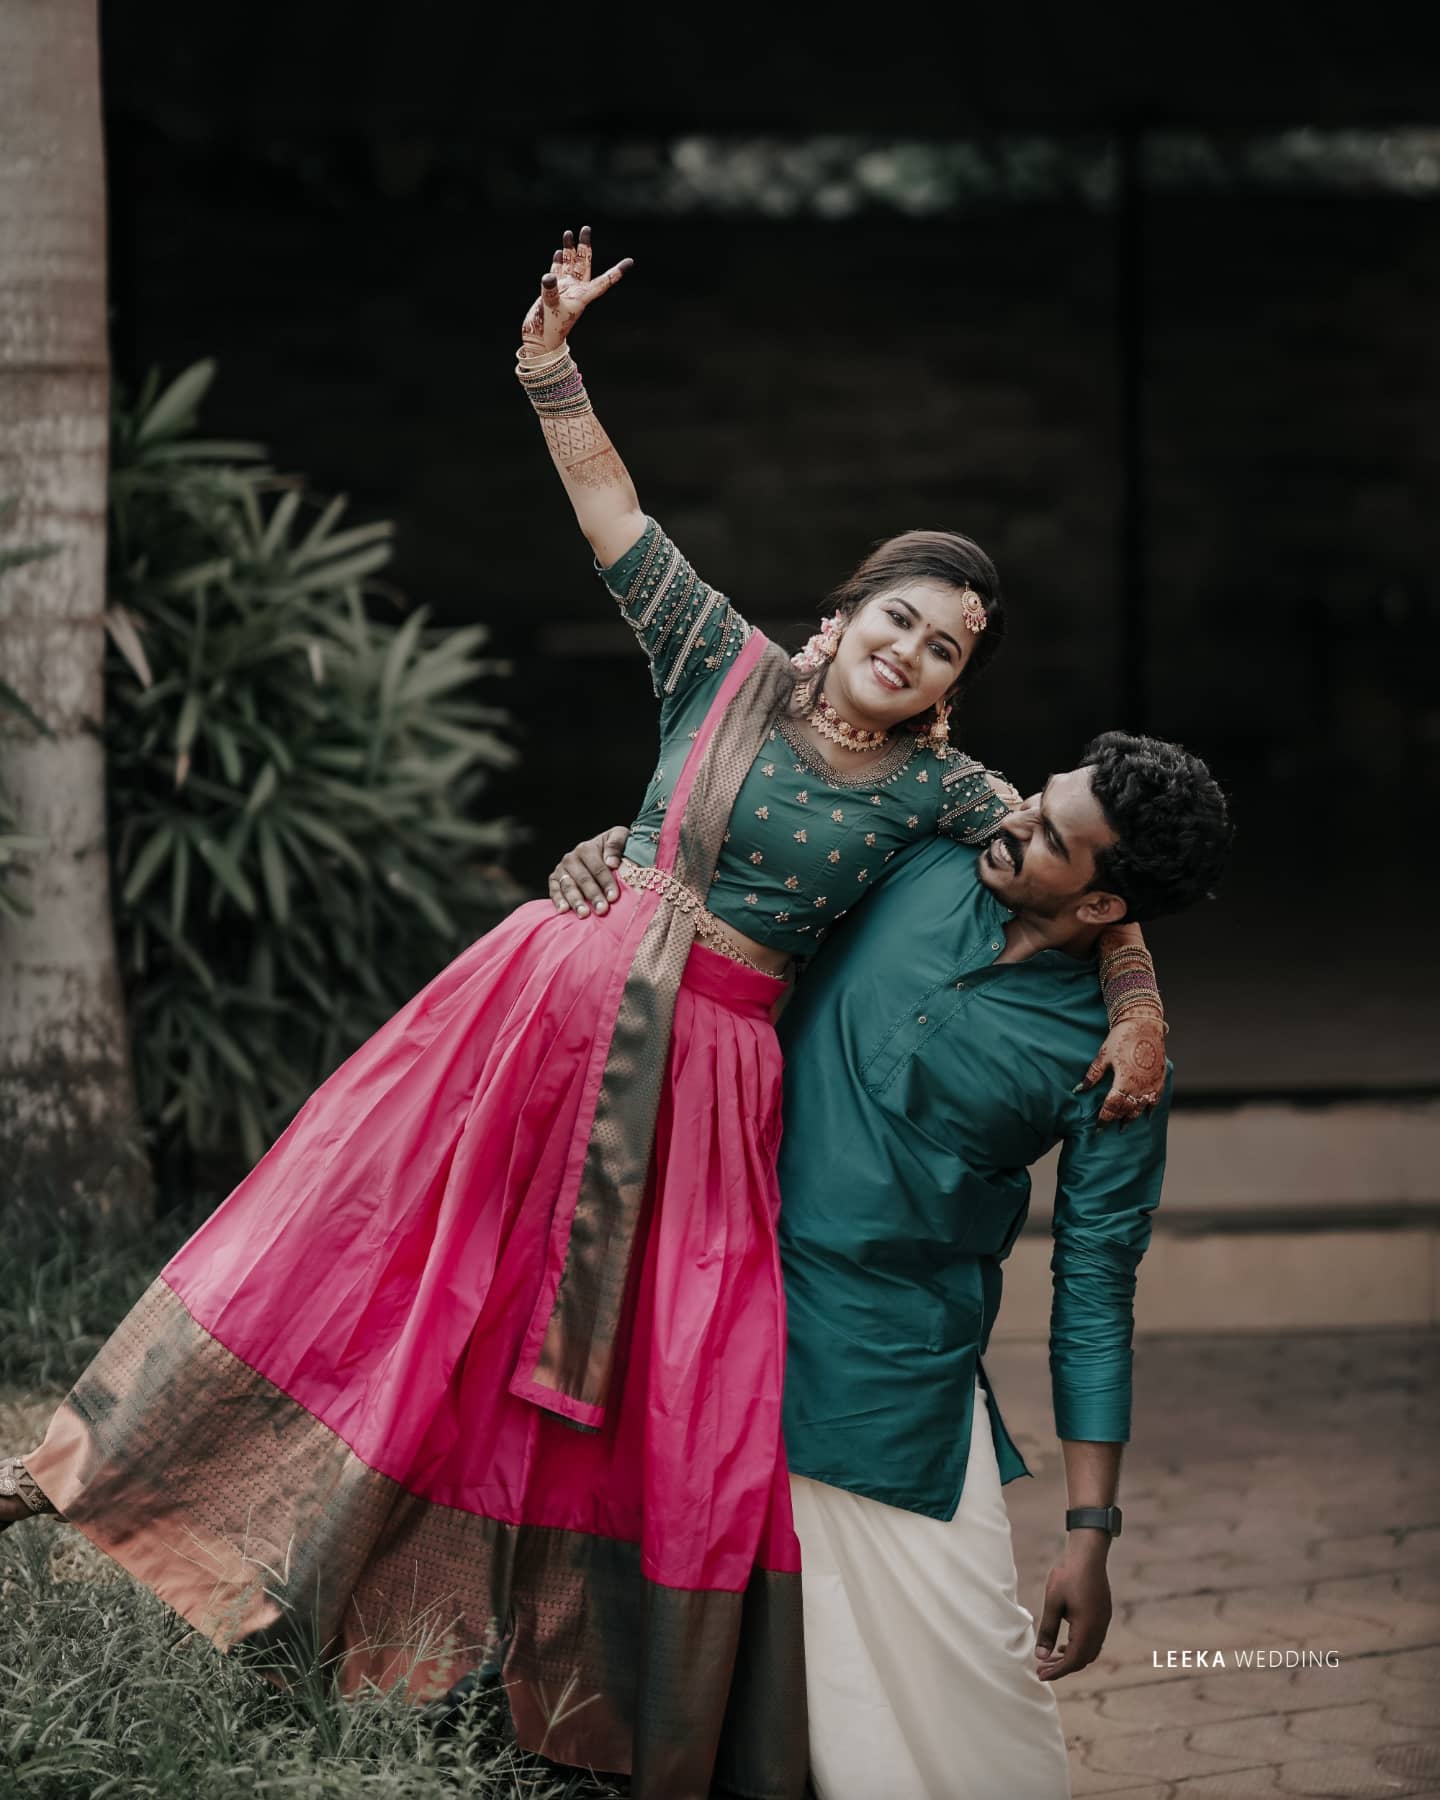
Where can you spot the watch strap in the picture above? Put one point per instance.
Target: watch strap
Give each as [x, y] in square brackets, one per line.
[1102, 1518]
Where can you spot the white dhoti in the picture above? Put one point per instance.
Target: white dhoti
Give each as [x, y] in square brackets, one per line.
[920, 1658]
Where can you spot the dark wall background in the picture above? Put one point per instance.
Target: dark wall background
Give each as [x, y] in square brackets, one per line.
[1199, 436]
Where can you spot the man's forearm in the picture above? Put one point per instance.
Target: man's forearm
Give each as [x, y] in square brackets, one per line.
[1092, 1472]
[1092, 1478]
[1078, 1588]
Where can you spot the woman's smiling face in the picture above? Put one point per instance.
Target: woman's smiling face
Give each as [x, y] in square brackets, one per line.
[900, 654]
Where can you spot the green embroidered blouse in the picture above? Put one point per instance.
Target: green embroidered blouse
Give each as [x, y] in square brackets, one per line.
[804, 843]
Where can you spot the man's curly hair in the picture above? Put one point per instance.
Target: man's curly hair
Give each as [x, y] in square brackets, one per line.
[1171, 819]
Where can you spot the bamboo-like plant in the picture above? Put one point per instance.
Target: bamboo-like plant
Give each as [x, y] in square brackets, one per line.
[294, 779]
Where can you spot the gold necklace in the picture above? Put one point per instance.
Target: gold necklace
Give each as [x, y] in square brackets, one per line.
[840, 731]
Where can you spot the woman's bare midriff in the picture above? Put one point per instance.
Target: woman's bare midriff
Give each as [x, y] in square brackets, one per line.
[764, 956]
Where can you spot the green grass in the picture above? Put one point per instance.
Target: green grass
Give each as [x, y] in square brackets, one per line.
[63, 1290]
[104, 1692]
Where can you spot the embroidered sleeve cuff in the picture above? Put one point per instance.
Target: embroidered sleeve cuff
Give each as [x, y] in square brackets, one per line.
[970, 810]
[620, 576]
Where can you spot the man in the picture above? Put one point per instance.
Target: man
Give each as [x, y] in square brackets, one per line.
[931, 1049]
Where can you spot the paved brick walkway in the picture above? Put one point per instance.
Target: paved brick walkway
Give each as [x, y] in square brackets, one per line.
[1281, 1494]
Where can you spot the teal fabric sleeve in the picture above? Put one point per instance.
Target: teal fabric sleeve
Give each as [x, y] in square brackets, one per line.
[1108, 1188]
[687, 629]
[971, 811]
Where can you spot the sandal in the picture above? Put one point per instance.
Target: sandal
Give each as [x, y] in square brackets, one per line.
[17, 1483]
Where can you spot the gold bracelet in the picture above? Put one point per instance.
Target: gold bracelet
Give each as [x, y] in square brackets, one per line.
[552, 358]
[1128, 953]
[557, 389]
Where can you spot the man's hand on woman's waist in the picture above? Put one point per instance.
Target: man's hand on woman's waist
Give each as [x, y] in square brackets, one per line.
[583, 881]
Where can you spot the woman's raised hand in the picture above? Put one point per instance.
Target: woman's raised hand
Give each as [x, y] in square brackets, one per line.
[566, 289]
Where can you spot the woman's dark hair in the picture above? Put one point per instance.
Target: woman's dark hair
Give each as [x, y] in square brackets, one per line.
[925, 555]
[1171, 819]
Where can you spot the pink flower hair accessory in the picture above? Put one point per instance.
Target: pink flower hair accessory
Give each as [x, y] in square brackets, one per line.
[821, 647]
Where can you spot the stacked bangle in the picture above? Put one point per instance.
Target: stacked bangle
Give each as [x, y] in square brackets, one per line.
[555, 387]
[1127, 981]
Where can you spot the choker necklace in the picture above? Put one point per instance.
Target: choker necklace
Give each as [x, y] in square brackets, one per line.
[840, 731]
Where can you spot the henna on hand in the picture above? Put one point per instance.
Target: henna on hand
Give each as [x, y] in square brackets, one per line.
[1145, 1057]
[566, 289]
[1135, 1049]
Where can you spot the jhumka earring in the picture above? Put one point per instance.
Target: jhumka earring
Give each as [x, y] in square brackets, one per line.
[821, 648]
[938, 736]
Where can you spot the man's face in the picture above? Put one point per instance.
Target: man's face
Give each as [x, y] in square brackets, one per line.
[1043, 860]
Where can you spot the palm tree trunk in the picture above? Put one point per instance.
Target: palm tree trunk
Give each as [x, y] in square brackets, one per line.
[68, 1123]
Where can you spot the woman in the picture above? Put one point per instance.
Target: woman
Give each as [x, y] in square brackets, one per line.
[543, 1197]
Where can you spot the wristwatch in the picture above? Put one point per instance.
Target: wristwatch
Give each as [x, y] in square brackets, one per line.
[1103, 1518]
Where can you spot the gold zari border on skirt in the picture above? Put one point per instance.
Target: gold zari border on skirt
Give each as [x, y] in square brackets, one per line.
[264, 1529]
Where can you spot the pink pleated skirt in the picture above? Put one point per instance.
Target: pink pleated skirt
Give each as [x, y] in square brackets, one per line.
[318, 1384]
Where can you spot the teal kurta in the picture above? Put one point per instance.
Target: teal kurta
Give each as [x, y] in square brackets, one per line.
[805, 844]
[922, 1080]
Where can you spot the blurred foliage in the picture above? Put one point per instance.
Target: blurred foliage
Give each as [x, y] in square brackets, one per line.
[15, 842]
[840, 174]
[294, 781]
[833, 174]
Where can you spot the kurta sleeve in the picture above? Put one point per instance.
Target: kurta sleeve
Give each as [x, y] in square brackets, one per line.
[686, 628]
[971, 811]
[1108, 1187]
